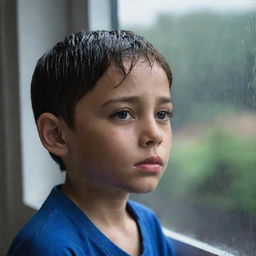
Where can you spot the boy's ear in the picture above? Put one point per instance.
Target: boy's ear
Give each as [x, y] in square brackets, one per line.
[52, 134]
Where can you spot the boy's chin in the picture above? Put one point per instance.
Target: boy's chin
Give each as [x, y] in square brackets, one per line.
[143, 189]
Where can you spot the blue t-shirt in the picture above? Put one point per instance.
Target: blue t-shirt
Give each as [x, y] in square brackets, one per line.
[60, 228]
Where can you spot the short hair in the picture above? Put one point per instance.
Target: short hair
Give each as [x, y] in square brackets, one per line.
[69, 70]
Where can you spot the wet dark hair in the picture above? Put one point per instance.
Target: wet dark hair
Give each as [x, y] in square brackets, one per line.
[70, 69]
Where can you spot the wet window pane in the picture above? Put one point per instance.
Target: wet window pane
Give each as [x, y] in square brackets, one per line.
[208, 191]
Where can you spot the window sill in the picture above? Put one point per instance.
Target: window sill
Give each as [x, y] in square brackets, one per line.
[184, 245]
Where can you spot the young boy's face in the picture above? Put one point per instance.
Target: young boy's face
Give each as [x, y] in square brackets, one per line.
[122, 135]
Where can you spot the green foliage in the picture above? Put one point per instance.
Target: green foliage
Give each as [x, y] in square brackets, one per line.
[218, 170]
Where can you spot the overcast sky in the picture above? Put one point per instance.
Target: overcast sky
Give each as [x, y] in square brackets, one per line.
[144, 12]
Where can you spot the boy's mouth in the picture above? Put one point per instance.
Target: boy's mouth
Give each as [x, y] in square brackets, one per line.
[151, 160]
[152, 164]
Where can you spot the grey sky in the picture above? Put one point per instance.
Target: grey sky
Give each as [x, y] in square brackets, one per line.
[144, 12]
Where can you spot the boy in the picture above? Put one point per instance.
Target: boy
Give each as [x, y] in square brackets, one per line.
[102, 105]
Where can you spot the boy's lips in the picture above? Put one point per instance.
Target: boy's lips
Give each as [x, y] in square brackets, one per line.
[151, 160]
[153, 164]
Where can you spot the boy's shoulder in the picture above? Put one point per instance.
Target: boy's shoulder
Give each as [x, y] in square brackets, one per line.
[49, 232]
[46, 233]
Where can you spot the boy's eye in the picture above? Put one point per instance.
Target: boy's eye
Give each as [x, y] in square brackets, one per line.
[122, 115]
[164, 115]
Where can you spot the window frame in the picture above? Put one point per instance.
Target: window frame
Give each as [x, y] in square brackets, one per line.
[184, 245]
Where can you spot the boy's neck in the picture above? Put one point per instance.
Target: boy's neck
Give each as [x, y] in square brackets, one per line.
[101, 205]
[107, 210]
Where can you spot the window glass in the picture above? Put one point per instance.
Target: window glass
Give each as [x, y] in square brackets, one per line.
[208, 191]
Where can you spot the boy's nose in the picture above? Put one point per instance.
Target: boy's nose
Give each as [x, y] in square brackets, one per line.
[150, 134]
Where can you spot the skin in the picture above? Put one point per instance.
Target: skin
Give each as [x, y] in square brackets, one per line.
[115, 128]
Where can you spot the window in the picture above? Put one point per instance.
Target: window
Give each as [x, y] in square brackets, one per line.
[208, 190]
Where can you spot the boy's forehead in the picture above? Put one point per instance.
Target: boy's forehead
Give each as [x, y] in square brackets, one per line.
[114, 75]
[144, 81]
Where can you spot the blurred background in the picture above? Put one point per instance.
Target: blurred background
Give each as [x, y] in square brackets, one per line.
[209, 189]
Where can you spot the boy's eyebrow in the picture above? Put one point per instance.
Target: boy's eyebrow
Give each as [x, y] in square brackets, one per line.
[134, 99]
[162, 100]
